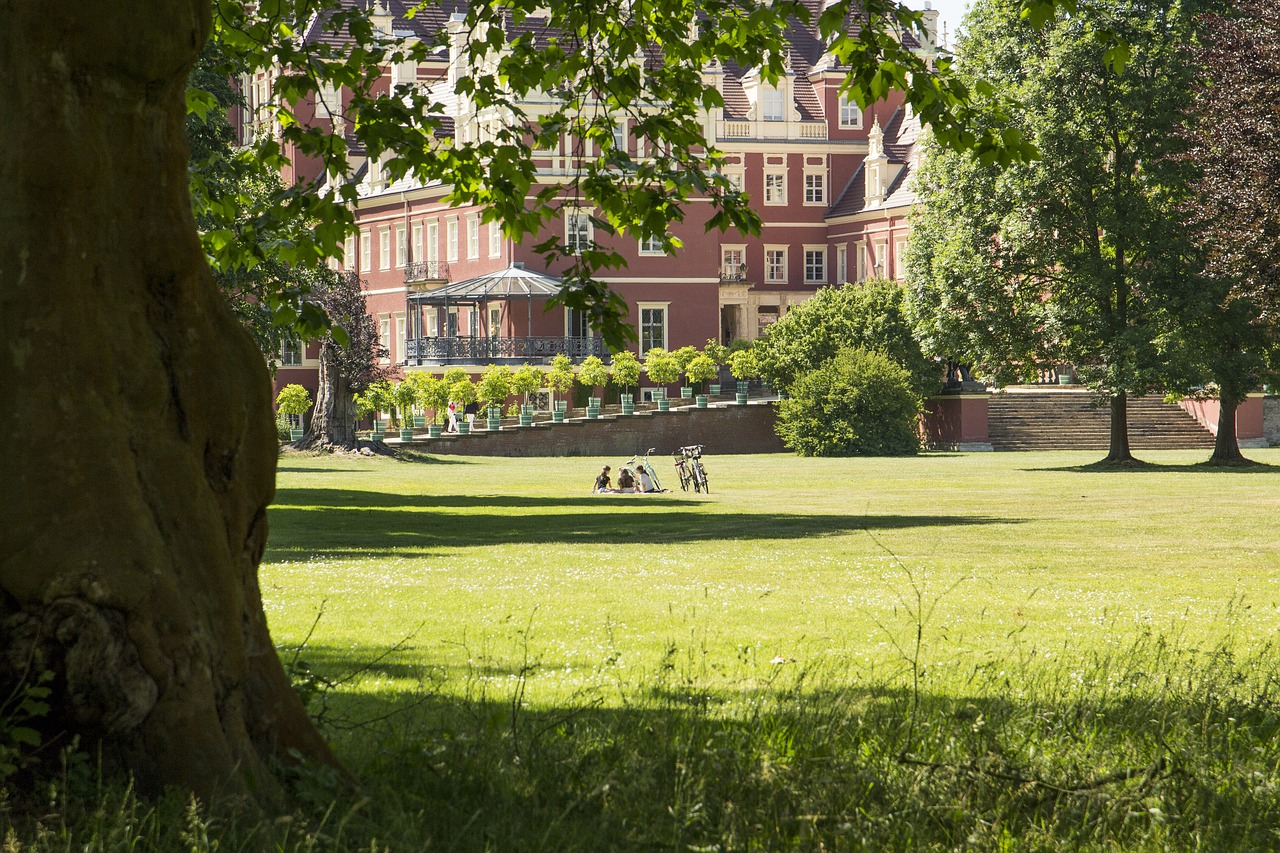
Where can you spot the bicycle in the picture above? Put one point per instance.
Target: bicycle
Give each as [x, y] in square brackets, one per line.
[644, 464]
[689, 467]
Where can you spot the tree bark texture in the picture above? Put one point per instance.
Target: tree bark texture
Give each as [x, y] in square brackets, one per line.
[1119, 443]
[333, 419]
[139, 445]
[1226, 445]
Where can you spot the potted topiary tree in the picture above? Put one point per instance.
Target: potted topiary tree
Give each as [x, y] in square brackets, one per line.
[416, 380]
[294, 401]
[463, 391]
[742, 364]
[560, 380]
[379, 396]
[525, 381]
[700, 369]
[493, 391]
[434, 395]
[364, 408]
[405, 397]
[594, 375]
[626, 374]
[683, 356]
[719, 354]
[662, 369]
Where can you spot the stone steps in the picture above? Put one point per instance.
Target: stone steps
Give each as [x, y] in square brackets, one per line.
[1068, 420]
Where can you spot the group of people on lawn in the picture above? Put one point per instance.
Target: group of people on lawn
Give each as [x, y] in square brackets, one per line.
[629, 482]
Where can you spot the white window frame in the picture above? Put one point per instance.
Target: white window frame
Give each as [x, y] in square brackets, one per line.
[777, 193]
[495, 321]
[842, 263]
[815, 264]
[384, 335]
[732, 255]
[775, 272]
[451, 239]
[402, 247]
[815, 188]
[291, 345]
[366, 250]
[400, 337]
[641, 308]
[473, 237]
[495, 239]
[579, 231]
[651, 246]
[860, 252]
[880, 263]
[850, 114]
[899, 249]
[349, 258]
[620, 136]
[736, 179]
[773, 103]
[384, 248]
[433, 241]
[417, 243]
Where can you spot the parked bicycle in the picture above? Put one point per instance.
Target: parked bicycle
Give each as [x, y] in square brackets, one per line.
[643, 465]
[689, 467]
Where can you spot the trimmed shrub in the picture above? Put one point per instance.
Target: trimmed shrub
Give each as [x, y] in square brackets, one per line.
[859, 403]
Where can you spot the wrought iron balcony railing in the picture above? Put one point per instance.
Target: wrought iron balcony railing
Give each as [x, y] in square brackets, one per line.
[438, 350]
[426, 271]
[733, 272]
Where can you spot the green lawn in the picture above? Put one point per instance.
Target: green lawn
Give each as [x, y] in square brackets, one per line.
[990, 651]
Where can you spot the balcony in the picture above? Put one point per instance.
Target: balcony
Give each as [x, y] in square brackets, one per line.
[496, 350]
[425, 275]
[733, 272]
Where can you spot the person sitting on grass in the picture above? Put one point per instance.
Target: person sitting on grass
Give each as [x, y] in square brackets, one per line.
[626, 482]
[646, 482]
[603, 482]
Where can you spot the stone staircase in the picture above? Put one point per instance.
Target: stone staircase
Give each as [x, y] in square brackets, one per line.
[1068, 420]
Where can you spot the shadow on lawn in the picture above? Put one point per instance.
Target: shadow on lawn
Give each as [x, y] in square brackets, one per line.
[1138, 466]
[785, 766]
[360, 531]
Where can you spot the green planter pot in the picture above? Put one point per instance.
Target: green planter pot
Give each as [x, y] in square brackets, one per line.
[686, 393]
[628, 407]
[593, 413]
[419, 421]
[664, 405]
[701, 401]
[594, 402]
[526, 419]
[493, 424]
[713, 390]
[379, 426]
[297, 434]
[562, 406]
[742, 398]
[557, 417]
[494, 412]
[464, 428]
[659, 394]
[434, 430]
[406, 435]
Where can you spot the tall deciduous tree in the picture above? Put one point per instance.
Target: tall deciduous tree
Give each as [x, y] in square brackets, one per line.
[129, 553]
[1235, 209]
[1080, 255]
[350, 355]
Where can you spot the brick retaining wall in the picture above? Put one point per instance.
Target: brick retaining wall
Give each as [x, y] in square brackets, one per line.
[728, 429]
[1271, 420]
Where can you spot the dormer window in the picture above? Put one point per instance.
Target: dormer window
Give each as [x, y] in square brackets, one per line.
[850, 114]
[771, 103]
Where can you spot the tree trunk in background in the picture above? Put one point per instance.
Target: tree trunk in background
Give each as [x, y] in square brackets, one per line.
[139, 445]
[333, 420]
[1119, 444]
[1226, 446]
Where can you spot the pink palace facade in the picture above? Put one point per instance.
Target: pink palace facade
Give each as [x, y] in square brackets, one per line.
[831, 182]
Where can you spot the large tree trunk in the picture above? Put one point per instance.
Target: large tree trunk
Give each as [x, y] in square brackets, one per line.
[1118, 450]
[139, 452]
[1226, 446]
[333, 421]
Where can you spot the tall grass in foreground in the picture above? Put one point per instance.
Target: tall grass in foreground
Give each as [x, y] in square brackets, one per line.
[1154, 746]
